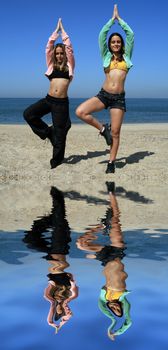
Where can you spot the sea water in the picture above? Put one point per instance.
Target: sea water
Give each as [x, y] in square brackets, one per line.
[24, 269]
[139, 110]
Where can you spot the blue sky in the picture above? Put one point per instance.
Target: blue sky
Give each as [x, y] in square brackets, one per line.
[25, 26]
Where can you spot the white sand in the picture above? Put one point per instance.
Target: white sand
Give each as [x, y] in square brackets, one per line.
[141, 176]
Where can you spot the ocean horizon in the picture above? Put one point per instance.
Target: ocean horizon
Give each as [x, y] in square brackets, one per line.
[139, 110]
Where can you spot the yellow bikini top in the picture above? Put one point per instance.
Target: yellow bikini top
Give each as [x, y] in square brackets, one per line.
[118, 65]
[113, 295]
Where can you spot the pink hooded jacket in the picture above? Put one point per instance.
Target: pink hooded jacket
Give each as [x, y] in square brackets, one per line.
[68, 50]
[68, 312]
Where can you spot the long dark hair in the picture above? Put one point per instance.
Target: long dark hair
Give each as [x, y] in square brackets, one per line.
[122, 45]
[62, 66]
[111, 308]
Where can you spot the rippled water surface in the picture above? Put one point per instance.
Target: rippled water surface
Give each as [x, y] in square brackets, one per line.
[68, 258]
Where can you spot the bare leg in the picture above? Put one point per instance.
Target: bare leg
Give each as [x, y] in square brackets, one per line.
[85, 110]
[116, 122]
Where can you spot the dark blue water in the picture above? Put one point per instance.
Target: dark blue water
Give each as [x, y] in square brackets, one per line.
[25, 259]
[138, 110]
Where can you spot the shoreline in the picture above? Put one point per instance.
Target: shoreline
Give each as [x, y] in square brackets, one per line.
[85, 125]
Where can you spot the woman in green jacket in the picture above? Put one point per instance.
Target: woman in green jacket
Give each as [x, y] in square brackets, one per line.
[116, 63]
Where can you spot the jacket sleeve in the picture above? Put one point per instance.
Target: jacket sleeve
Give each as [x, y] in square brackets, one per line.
[68, 50]
[103, 38]
[128, 322]
[129, 37]
[50, 48]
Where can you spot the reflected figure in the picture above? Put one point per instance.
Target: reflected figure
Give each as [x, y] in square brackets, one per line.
[60, 291]
[112, 300]
[61, 287]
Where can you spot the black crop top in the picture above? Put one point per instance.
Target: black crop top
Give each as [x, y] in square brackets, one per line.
[56, 73]
[60, 278]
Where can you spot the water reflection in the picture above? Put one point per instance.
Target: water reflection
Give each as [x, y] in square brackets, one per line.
[51, 234]
[61, 287]
[113, 296]
[145, 262]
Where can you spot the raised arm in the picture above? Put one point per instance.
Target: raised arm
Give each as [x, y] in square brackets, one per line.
[74, 291]
[104, 31]
[128, 31]
[68, 46]
[47, 292]
[50, 44]
[103, 38]
[128, 322]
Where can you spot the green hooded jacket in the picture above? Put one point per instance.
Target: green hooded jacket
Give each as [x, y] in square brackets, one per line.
[102, 303]
[105, 53]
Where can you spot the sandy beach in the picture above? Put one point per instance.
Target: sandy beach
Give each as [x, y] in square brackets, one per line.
[141, 176]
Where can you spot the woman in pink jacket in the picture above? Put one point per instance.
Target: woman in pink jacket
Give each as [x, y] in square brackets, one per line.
[60, 63]
[61, 290]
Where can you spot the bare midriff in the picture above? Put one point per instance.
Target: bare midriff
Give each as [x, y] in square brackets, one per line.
[114, 82]
[59, 87]
[115, 275]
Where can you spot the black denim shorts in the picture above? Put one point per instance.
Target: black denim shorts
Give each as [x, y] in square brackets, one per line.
[112, 100]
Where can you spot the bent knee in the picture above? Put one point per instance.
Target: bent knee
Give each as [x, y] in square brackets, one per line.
[26, 114]
[80, 113]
